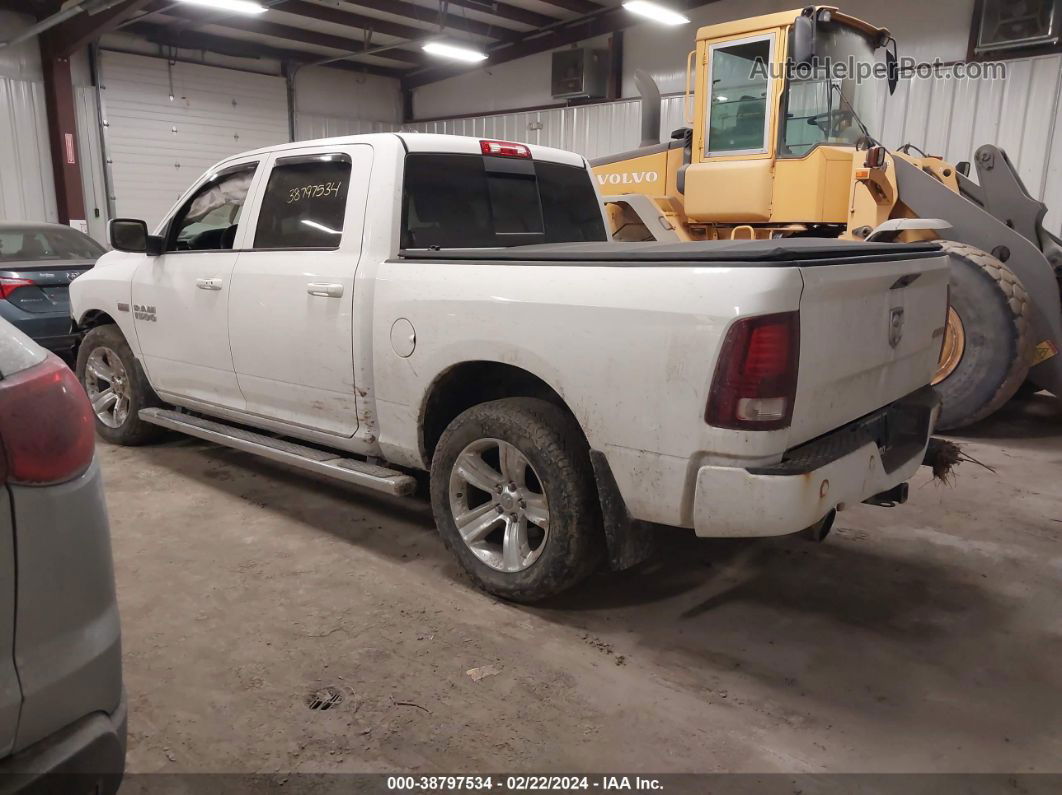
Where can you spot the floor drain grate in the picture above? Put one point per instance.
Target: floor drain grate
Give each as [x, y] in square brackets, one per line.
[325, 698]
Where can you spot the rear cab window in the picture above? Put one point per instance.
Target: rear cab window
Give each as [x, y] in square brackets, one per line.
[452, 200]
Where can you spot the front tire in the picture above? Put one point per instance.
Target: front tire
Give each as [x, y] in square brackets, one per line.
[513, 495]
[116, 387]
[987, 344]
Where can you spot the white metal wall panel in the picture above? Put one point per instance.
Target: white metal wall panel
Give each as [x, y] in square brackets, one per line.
[90, 155]
[949, 117]
[590, 130]
[166, 123]
[309, 126]
[27, 192]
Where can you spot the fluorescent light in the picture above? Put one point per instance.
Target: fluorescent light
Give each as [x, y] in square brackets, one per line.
[239, 6]
[656, 12]
[454, 51]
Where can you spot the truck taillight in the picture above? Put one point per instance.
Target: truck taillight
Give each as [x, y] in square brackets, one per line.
[755, 379]
[46, 425]
[504, 149]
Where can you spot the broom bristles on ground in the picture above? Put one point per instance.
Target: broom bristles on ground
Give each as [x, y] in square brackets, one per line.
[942, 456]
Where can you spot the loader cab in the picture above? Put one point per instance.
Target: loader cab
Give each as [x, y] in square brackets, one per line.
[777, 108]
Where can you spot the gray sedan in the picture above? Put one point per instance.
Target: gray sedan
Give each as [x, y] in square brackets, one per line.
[37, 264]
[62, 704]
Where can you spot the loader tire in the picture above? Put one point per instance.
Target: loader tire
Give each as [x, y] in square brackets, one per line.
[991, 357]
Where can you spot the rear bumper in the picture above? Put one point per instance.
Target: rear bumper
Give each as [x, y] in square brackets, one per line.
[87, 756]
[864, 458]
[52, 330]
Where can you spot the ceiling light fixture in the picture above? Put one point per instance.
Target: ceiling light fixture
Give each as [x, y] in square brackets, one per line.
[238, 6]
[454, 52]
[656, 12]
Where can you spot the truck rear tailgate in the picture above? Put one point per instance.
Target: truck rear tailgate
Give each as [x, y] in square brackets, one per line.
[870, 333]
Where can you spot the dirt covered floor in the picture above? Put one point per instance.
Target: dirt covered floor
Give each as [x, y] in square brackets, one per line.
[920, 638]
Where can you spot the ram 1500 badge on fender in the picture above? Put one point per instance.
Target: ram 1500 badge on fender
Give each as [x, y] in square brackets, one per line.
[452, 305]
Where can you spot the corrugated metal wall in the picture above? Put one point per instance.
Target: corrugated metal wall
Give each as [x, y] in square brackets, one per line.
[949, 117]
[938, 114]
[590, 130]
[26, 189]
[309, 126]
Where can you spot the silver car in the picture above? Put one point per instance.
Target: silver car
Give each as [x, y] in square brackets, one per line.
[62, 704]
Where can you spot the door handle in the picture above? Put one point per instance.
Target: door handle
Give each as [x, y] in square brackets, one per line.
[325, 290]
[208, 284]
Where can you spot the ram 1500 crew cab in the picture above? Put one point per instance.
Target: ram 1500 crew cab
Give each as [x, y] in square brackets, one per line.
[370, 306]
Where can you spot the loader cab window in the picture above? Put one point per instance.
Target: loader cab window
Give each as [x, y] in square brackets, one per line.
[822, 108]
[739, 99]
[474, 201]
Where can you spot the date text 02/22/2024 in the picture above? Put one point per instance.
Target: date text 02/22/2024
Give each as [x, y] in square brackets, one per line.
[521, 783]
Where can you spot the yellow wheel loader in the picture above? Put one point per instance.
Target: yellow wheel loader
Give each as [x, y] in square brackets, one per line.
[782, 110]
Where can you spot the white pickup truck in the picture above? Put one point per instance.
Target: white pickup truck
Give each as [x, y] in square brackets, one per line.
[373, 306]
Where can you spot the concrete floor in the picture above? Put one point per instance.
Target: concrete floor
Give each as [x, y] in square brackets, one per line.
[920, 638]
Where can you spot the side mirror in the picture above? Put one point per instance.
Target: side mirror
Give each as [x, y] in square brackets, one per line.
[802, 40]
[131, 235]
[892, 67]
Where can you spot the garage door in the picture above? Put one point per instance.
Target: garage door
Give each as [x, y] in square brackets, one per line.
[166, 123]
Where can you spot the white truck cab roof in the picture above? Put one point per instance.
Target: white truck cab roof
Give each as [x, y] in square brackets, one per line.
[416, 142]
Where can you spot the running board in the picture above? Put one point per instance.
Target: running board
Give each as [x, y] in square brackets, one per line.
[349, 470]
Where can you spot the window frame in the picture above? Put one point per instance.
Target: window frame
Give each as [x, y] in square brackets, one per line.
[769, 104]
[1004, 53]
[190, 195]
[283, 158]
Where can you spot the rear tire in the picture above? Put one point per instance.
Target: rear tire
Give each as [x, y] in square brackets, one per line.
[547, 458]
[104, 355]
[993, 308]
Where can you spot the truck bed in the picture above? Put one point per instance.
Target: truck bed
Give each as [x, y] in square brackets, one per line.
[805, 252]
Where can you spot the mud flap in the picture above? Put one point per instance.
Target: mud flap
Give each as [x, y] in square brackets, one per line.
[629, 541]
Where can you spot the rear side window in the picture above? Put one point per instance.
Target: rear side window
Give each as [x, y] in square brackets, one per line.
[304, 203]
[472, 201]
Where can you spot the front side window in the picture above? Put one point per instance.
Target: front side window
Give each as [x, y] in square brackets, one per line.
[737, 110]
[473, 201]
[209, 220]
[304, 203]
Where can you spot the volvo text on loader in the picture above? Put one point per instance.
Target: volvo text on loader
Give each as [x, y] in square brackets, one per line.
[782, 144]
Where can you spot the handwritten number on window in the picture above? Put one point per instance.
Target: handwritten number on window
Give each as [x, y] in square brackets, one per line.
[324, 190]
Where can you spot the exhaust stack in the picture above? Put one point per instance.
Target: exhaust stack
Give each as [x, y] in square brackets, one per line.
[650, 94]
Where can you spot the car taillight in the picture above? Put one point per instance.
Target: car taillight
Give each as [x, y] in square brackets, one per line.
[755, 379]
[9, 284]
[504, 149]
[46, 425]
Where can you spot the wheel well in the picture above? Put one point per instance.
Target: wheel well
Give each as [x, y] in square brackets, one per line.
[469, 384]
[94, 318]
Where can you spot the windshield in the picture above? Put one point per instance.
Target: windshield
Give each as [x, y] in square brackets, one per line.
[37, 244]
[819, 106]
